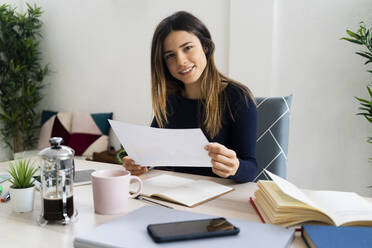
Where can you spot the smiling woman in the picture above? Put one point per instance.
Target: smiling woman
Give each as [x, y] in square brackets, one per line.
[185, 59]
[189, 92]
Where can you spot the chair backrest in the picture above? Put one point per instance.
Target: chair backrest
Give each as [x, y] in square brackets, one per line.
[272, 135]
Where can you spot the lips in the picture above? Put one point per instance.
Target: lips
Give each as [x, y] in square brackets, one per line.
[187, 70]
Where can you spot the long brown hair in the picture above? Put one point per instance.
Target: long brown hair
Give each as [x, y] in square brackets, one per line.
[212, 81]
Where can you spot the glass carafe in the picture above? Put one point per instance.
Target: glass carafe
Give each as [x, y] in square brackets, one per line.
[57, 176]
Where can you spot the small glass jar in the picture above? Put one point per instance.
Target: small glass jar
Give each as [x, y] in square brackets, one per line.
[57, 171]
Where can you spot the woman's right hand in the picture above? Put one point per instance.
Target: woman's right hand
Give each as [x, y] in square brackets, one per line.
[134, 169]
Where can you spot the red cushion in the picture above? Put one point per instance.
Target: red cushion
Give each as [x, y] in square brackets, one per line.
[81, 141]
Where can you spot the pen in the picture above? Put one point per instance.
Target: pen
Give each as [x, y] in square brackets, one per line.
[1, 189]
[299, 229]
[6, 197]
[256, 209]
[154, 202]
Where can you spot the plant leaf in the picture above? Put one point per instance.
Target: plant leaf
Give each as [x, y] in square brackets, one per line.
[361, 100]
[22, 173]
[352, 40]
[352, 34]
[365, 55]
[369, 91]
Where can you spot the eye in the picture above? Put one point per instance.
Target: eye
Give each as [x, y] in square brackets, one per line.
[169, 55]
[188, 48]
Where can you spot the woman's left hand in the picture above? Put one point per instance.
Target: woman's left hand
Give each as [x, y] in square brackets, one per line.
[224, 160]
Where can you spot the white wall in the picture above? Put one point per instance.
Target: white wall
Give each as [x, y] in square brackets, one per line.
[100, 50]
[294, 47]
[251, 29]
[328, 148]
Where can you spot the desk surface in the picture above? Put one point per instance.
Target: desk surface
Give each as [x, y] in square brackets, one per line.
[21, 229]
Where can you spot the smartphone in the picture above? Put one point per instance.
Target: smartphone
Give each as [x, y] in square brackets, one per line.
[194, 229]
[81, 177]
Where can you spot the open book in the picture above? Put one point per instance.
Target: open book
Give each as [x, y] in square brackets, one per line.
[284, 204]
[181, 190]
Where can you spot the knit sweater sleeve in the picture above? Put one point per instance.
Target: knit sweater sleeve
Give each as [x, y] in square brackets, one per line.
[244, 133]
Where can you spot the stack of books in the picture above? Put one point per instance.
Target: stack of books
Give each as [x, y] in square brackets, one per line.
[282, 203]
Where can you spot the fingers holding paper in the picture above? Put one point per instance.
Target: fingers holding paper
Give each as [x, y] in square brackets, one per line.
[224, 160]
[132, 167]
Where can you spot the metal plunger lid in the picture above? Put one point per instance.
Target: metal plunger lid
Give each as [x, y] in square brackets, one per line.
[56, 150]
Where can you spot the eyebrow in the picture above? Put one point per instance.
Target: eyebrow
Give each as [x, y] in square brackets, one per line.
[183, 45]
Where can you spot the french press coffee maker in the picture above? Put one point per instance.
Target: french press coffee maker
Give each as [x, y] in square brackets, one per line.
[57, 176]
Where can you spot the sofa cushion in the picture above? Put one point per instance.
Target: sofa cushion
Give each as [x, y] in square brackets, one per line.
[89, 133]
[54, 124]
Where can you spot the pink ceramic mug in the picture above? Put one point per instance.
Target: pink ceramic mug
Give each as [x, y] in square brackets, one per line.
[111, 190]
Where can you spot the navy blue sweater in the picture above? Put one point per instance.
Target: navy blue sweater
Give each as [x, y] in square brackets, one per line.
[237, 133]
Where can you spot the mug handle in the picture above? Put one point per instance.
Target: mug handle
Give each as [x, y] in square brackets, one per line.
[134, 195]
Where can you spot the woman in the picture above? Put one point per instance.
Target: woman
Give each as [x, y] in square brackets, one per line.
[189, 92]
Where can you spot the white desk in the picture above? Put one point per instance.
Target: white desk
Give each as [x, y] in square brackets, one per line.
[21, 229]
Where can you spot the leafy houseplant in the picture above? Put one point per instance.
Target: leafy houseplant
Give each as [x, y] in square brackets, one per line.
[21, 76]
[21, 173]
[22, 188]
[363, 37]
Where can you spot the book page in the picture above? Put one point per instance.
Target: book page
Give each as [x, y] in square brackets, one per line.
[291, 190]
[149, 146]
[282, 199]
[342, 207]
[160, 184]
[194, 193]
[182, 190]
[283, 209]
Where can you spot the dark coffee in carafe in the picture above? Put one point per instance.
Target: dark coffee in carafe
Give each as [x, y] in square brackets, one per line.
[53, 208]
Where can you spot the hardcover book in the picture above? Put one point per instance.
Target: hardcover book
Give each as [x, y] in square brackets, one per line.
[337, 237]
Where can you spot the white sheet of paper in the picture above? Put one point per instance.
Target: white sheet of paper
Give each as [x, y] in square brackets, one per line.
[149, 146]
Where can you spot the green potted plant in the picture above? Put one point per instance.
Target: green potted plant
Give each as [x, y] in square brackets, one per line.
[21, 76]
[121, 154]
[22, 188]
[363, 37]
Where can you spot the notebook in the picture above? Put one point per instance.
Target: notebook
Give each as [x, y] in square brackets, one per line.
[337, 237]
[130, 231]
[184, 191]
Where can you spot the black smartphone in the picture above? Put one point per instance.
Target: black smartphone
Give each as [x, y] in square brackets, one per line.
[194, 229]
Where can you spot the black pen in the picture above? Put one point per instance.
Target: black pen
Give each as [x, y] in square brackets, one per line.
[154, 202]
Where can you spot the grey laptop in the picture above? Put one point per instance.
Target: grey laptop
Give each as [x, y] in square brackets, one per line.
[130, 231]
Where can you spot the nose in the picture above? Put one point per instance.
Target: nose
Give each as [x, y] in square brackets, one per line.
[181, 59]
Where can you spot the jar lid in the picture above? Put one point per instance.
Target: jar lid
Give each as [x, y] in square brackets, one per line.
[56, 150]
